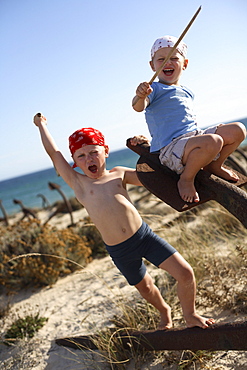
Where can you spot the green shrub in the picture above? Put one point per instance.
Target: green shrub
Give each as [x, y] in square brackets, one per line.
[25, 327]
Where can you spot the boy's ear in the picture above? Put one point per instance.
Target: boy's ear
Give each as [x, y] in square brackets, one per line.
[106, 151]
[152, 65]
[186, 61]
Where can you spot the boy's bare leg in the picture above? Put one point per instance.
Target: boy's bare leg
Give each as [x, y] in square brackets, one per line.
[186, 288]
[151, 293]
[233, 134]
[199, 152]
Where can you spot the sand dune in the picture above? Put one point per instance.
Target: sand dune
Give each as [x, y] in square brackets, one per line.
[81, 304]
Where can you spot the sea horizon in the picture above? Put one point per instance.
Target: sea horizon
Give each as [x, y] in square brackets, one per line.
[29, 187]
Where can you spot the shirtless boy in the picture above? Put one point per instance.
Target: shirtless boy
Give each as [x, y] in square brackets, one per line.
[127, 238]
[183, 147]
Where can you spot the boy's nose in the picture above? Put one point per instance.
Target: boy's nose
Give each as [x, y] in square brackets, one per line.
[167, 65]
[89, 158]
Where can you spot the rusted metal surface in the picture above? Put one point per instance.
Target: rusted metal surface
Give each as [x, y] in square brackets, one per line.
[162, 182]
[5, 216]
[80, 342]
[218, 337]
[45, 202]
[238, 160]
[236, 164]
[230, 197]
[54, 186]
[26, 211]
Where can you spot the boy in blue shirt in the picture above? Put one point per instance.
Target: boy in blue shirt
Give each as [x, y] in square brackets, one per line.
[183, 147]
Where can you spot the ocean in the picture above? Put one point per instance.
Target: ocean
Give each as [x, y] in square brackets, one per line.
[28, 187]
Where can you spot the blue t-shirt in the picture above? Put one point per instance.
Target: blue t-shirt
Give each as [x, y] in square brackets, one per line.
[169, 114]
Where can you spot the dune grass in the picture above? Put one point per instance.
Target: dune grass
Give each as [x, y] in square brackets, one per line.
[209, 238]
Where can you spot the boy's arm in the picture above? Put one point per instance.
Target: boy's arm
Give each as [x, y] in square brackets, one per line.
[130, 177]
[141, 100]
[61, 165]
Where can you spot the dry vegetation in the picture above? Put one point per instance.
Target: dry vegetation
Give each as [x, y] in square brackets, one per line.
[214, 243]
[36, 244]
[210, 239]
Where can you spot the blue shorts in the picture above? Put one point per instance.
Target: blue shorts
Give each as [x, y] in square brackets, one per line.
[127, 256]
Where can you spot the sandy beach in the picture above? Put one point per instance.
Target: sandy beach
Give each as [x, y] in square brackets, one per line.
[83, 303]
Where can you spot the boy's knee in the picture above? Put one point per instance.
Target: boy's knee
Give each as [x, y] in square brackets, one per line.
[237, 130]
[214, 142]
[232, 132]
[146, 286]
[186, 275]
[241, 129]
[146, 290]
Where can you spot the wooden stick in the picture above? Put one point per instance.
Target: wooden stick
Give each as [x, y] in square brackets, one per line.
[175, 46]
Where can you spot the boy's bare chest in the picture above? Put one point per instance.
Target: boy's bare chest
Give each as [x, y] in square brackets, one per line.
[101, 191]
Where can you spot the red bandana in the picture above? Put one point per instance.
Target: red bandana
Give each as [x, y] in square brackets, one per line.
[85, 136]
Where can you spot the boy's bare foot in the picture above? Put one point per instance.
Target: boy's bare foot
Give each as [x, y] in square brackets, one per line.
[223, 172]
[197, 320]
[187, 191]
[164, 326]
[165, 320]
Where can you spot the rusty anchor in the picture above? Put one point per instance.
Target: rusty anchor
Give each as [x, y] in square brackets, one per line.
[162, 182]
[218, 337]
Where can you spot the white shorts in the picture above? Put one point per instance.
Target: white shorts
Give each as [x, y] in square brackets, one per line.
[171, 155]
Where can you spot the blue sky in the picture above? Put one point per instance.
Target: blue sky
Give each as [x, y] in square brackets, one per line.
[79, 62]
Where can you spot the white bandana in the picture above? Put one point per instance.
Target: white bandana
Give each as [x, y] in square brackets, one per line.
[168, 42]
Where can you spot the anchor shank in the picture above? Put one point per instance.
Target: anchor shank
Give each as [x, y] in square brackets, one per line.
[218, 337]
[229, 196]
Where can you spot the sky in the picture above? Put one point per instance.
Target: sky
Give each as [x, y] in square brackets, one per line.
[79, 63]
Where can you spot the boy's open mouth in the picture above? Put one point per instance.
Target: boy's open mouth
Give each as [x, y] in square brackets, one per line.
[168, 72]
[93, 168]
